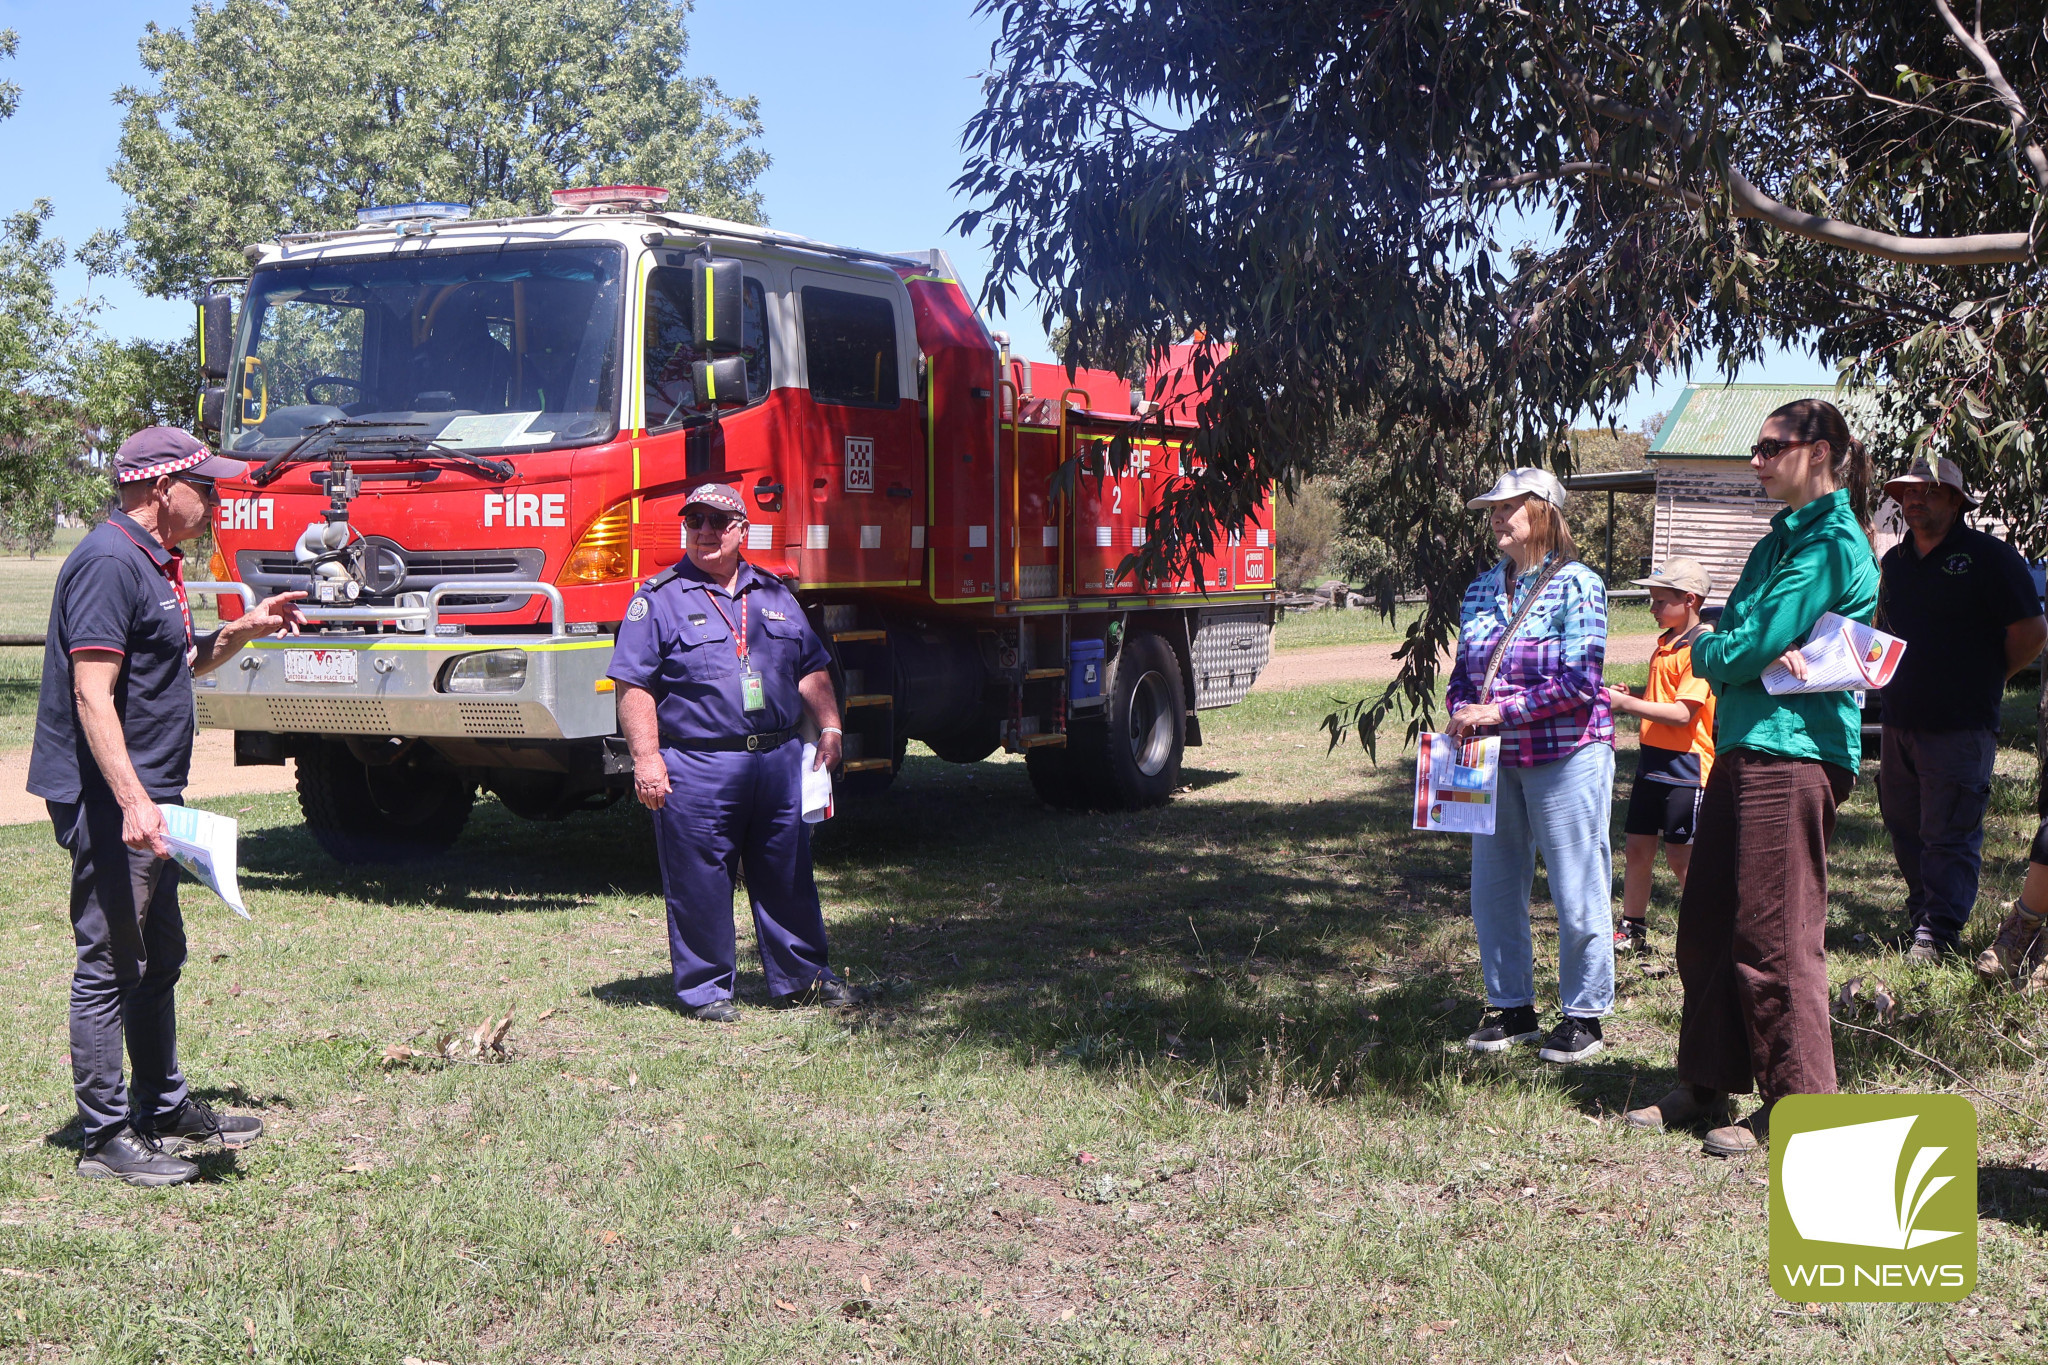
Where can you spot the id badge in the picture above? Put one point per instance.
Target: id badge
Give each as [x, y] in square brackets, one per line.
[752, 695]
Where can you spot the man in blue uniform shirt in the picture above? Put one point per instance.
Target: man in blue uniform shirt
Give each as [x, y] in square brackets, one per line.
[717, 668]
[114, 738]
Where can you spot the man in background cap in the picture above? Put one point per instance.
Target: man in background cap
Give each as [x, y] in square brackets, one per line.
[113, 738]
[1965, 605]
[716, 668]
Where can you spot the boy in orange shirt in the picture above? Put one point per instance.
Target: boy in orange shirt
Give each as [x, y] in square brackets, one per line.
[1677, 746]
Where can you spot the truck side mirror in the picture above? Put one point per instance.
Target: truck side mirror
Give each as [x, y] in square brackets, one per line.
[715, 305]
[216, 335]
[721, 383]
[212, 403]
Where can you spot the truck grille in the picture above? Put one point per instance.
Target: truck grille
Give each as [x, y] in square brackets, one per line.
[269, 571]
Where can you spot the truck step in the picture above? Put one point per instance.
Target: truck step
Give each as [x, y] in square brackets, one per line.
[867, 765]
[1041, 674]
[847, 637]
[870, 699]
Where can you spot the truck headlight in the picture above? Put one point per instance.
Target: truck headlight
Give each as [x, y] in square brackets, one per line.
[499, 670]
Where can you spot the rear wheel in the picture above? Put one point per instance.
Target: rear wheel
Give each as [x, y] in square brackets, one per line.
[412, 807]
[1130, 758]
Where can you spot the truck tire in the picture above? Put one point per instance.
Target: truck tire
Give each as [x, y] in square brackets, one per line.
[412, 807]
[1130, 758]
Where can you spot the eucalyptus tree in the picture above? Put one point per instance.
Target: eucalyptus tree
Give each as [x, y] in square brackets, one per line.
[272, 116]
[1336, 189]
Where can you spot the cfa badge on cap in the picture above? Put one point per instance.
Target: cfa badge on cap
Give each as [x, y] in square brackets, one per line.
[638, 611]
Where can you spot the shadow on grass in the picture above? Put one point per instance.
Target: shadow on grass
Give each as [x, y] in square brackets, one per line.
[2015, 1195]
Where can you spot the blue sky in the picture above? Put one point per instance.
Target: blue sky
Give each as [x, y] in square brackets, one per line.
[863, 107]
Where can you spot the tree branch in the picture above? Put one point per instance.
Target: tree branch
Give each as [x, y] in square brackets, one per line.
[1567, 170]
[2016, 110]
[1990, 248]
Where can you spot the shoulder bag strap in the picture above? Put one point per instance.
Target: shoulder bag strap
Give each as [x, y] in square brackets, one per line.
[1500, 648]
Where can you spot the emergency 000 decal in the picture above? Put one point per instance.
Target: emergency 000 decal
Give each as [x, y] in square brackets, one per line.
[525, 509]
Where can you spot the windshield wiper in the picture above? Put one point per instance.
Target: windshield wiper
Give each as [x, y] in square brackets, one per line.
[410, 447]
[303, 448]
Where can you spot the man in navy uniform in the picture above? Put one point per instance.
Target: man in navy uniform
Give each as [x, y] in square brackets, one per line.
[716, 668]
[113, 738]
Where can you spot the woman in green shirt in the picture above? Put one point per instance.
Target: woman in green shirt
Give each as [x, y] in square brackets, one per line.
[1751, 925]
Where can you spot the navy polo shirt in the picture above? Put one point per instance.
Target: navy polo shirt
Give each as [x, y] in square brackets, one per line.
[1951, 608]
[120, 590]
[677, 641]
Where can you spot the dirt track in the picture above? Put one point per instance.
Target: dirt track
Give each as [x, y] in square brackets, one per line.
[213, 758]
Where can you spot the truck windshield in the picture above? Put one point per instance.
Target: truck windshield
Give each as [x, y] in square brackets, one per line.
[506, 348]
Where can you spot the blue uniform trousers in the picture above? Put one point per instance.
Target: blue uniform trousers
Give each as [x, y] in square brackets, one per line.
[726, 811]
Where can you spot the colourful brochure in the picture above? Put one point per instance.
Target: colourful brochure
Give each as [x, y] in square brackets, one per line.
[1841, 656]
[204, 845]
[1457, 783]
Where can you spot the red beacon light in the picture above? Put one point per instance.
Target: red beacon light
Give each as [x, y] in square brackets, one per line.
[591, 198]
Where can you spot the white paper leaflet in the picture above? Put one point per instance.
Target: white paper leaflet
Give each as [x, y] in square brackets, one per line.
[1457, 783]
[815, 788]
[1841, 656]
[204, 845]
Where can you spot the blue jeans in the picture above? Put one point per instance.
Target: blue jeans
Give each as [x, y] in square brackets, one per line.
[1561, 810]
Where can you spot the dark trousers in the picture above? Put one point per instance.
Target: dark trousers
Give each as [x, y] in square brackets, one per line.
[131, 949]
[726, 811]
[1932, 786]
[1751, 926]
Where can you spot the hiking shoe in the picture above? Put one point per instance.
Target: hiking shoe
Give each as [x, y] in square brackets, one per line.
[2020, 948]
[196, 1125]
[1739, 1139]
[1928, 949]
[1573, 1040]
[1681, 1108]
[1632, 937]
[137, 1158]
[1502, 1029]
[717, 1012]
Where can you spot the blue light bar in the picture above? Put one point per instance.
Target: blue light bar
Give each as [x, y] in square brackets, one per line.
[411, 213]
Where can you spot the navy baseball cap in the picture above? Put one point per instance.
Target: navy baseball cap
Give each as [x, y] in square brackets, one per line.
[154, 452]
[721, 496]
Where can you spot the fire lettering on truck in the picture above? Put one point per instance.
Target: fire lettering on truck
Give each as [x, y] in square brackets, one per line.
[525, 509]
[860, 464]
[246, 514]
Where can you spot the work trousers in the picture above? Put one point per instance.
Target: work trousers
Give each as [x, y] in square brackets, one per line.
[1751, 928]
[1933, 786]
[1561, 810]
[131, 950]
[725, 812]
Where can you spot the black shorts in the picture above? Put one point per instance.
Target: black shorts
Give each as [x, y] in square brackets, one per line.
[1661, 808]
[2039, 853]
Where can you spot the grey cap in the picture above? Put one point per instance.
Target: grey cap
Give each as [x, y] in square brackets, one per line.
[1944, 472]
[1527, 482]
[1680, 573]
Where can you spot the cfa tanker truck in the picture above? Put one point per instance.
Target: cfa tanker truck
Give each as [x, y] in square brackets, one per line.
[470, 441]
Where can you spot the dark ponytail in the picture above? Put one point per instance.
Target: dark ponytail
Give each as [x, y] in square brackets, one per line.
[1816, 419]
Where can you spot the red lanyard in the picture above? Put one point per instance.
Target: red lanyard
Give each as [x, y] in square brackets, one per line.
[176, 573]
[739, 638]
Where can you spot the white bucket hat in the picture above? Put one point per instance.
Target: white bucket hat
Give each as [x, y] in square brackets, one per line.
[1528, 482]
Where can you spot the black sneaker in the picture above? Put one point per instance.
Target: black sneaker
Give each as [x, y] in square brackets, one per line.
[717, 1012]
[1502, 1029]
[828, 991]
[1632, 937]
[195, 1126]
[137, 1158]
[1573, 1040]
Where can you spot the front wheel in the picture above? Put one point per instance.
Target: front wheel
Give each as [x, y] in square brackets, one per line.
[412, 807]
[1130, 757]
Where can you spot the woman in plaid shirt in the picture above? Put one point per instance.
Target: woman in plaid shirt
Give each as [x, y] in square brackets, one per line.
[1545, 700]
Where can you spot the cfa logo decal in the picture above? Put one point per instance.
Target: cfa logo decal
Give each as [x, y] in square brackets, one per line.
[1873, 1198]
[860, 464]
[636, 610]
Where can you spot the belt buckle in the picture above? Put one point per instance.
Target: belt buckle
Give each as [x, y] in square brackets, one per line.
[753, 744]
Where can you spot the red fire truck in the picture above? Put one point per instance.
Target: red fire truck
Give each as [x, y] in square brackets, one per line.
[471, 440]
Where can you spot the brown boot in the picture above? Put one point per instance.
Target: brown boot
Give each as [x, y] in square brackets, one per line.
[2019, 949]
[1684, 1106]
[1740, 1139]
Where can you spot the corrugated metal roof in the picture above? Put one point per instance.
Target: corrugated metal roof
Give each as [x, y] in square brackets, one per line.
[1720, 421]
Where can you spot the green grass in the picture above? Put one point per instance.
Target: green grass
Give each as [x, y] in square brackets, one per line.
[1315, 629]
[1179, 1085]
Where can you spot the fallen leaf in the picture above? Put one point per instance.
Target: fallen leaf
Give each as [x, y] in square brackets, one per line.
[356, 1168]
[857, 1308]
[544, 1014]
[988, 1310]
[608, 1237]
[1429, 1329]
[433, 1180]
[396, 1053]
[12, 1273]
[785, 1306]
[1085, 1158]
[634, 913]
[865, 1287]
[1653, 969]
[220, 957]
[632, 1080]
[415, 1360]
[234, 990]
[1845, 1000]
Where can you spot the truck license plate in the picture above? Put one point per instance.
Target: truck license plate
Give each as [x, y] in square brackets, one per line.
[319, 665]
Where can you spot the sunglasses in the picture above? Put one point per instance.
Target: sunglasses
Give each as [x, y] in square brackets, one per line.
[1770, 448]
[205, 488]
[717, 521]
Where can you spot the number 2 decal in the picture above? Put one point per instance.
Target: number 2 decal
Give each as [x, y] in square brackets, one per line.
[1116, 507]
